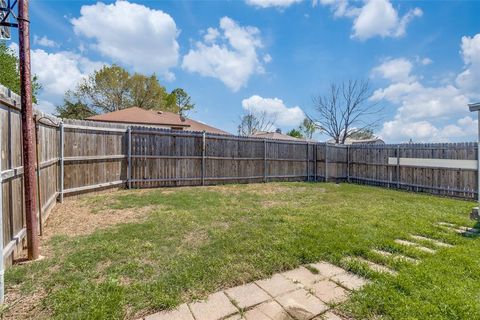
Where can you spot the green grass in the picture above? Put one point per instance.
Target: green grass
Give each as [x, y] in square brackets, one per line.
[196, 241]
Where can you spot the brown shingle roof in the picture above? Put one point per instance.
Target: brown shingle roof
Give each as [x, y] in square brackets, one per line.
[135, 115]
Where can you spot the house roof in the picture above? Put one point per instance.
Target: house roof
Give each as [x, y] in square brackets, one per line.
[360, 141]
[274, 135]
[474, 106]
[139, 116]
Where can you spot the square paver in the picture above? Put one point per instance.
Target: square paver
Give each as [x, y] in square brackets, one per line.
[350, 281]
[247, 295]
[329, 292]
[277, 285]
[329, 316]
[180, 313]
[216, 306]
[269, 310]
[301, 304]
[327, 269]
[302, 275]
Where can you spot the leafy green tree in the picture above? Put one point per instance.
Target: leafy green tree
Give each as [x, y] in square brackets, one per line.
[74, 110]
[9, 74]
[183, 101]
[307, 128]
[295, 133]
[113, 88]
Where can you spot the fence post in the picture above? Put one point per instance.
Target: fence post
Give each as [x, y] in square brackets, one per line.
[348, 163]
[398, 166]
[2, 271]
[62, 156]
[264, 160]
[203, 157]
[129, 157]
[315, 162]
[326, 161]
[308, 162]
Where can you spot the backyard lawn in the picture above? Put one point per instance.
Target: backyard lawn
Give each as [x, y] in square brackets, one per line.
[130, 253]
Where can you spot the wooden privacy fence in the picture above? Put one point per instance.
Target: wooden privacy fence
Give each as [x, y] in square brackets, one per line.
[83, 156]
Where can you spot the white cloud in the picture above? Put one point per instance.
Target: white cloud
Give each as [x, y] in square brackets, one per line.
[274, 109]
[426, 61]
[57, 72]
[374, 18]
[430, 113]
[131, 34]
[61, 71]
[272, 3]
[395, 69]
[44, 42]
[229, 54]
[469, 79]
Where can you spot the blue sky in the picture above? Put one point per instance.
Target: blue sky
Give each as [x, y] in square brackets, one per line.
[272, 56]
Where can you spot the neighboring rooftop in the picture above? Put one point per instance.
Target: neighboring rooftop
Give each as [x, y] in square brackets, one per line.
[162, 119]
[276, 136]
[349, 141]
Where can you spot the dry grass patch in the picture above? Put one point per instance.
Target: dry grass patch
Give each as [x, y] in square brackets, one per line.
[75, 217]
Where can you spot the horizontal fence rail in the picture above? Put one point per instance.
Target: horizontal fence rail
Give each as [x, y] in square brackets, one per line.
[84, 156]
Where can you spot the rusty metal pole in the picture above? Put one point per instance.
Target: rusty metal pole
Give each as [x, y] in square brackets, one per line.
[27, 131]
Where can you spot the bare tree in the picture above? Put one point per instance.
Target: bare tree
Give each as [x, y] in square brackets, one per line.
[254, 122]
[346, 109]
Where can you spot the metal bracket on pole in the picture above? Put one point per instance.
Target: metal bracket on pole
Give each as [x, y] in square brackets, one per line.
[129, 157]
[203, 156]
[62, 163]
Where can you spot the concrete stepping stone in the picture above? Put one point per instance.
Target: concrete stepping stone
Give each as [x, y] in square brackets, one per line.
[217, 306]
[247, 295]
[468, 231]
[372, 265]
[237, 316]
[269, 311]
[301, 304]
[349, 281]
[395, 256]
[327, 269]
[180, 313]
[302, 275]
[277, 285]
[435, 242]
[329, 292]
[328, 316]
[414, 245]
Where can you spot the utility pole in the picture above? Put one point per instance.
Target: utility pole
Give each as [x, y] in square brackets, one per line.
[27, 130]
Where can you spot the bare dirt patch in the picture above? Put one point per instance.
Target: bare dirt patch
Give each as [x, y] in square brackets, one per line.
[19, 305]
[75, 217]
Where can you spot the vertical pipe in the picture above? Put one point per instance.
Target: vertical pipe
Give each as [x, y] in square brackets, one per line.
[2, 271]
[398, 166]
[129, 157]
[203, 157]
[62, 156]
[326, 162]
[478, 162]
[27, 130]
[264, 160]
